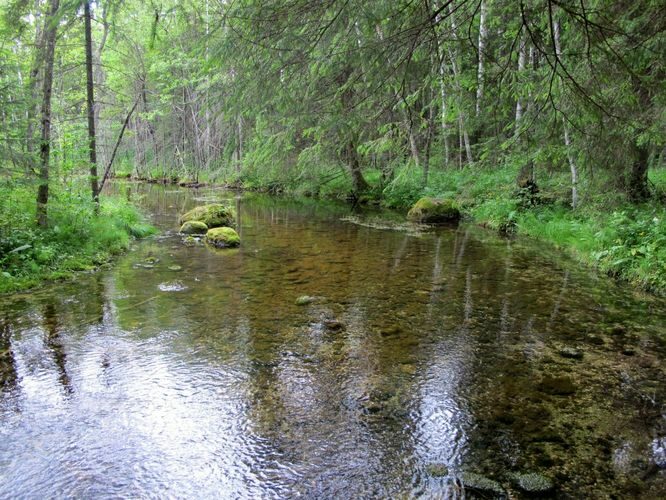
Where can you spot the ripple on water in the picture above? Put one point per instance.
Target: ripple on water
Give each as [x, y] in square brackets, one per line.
[232, 390]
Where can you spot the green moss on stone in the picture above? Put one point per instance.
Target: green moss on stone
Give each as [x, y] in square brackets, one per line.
[532, 483]
[213, 215]
[194, 227]
[304, 300]
[223, 237]
[481, 484]
[437, 470]
[431, 210]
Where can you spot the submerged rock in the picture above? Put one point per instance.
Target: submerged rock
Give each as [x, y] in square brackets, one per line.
[175, 267]
[431, 210]
[223, 237]
[172, 286]
[481, 484]
[659, 452]
[557, 386]
[213, 215]
[190, 241]
[596, 339]
[194, 227]
[532, 483]
[437, 470]
[304, 300]
[408, 368]
[390, 330]
[571, 353]
[333, 325]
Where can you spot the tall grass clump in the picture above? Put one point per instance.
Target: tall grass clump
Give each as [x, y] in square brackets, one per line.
[76, 239]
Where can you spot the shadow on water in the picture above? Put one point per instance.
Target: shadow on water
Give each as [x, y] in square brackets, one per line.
[427, 362]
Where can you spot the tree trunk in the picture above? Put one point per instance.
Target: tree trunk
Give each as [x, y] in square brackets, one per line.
[521, 68]
[50, 30]
[90, 97]
[359, 183]
[239, 146]
[428, 144]
[483, 34]
[107, 170]
[567, 138]
[638, 190]
[32, 86]
[442, 86]
[413, 146]
[445, 125]
[456, 75]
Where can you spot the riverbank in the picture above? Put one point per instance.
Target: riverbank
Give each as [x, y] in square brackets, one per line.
[623, 240]
[76, 239]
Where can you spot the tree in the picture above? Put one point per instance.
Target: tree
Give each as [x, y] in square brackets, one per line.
[50, 31]
[90, 100]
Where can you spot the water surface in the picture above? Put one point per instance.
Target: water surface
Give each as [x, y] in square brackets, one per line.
[185, 371]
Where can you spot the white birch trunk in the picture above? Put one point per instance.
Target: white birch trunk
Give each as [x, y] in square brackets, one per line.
[483, 35]
[521, 68]
[456, 75]
[567, 138]
[442, 93]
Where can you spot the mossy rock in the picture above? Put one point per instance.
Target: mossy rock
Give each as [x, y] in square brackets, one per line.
[532, 483]
[557, 386]
[304, 300]
[571, 353]
[437, 470]
[483, 485]
[223, 237]
[194, 227]
[213, 215]
[433, 211]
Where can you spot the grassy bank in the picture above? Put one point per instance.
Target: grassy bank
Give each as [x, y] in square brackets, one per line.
[624, 240]
[76, 239]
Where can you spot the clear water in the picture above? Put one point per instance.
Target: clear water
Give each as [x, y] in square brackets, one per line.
[184, 371]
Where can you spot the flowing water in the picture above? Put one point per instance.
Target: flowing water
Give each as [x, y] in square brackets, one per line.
[427, 359]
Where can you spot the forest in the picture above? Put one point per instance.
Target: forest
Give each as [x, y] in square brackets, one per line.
[333, 249]
[542, 118]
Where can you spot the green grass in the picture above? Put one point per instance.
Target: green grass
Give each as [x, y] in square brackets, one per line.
[75, 240]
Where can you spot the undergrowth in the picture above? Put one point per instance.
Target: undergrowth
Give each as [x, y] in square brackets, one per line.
[76, 239]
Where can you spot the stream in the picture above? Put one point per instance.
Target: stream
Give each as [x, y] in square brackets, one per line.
[431, 362]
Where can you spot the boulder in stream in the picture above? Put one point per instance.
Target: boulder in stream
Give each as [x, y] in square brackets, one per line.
[194, 227]
[213, 215]
[222, 237]
[432, 211]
